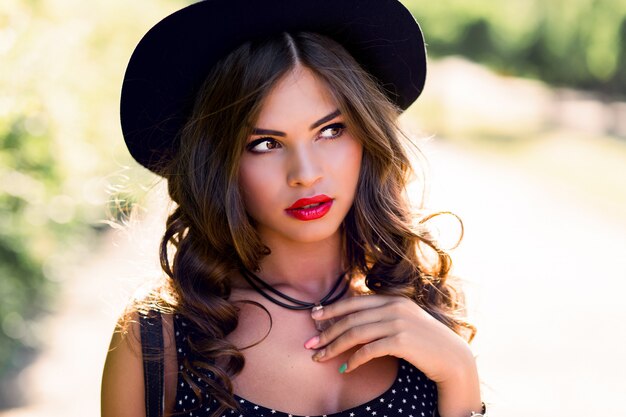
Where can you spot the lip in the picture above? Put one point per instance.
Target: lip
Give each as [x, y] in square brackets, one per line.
[298, 211]
[322, 198]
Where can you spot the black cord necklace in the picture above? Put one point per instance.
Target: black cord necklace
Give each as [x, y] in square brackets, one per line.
[261, 286]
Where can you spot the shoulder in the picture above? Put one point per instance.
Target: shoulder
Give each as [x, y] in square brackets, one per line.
[122, 391]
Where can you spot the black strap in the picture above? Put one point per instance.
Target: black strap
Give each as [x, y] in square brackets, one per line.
[152, 349]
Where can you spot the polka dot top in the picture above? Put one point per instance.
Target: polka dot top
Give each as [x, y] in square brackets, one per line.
[411, 395]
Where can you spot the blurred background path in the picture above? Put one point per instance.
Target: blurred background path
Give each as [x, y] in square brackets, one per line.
[536, 171]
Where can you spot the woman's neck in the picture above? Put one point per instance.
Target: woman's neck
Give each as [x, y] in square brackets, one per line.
[309, 269]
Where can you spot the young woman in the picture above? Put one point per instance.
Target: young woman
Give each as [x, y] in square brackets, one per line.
[297, 282]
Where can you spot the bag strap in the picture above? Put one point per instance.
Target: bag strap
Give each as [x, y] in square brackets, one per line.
[153, 369]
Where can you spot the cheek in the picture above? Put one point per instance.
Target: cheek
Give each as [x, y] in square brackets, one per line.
[255, 183]
[249, 184]
[351, 164]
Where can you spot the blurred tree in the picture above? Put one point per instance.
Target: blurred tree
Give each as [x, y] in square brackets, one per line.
[576, 43]
[618, 81]
[61, 150]
[27, 176]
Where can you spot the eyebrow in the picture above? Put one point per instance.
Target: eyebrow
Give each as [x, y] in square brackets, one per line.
[331, 116]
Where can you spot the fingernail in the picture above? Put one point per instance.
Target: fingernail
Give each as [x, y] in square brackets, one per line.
[319, 355]
[312, 342]
[343, 368]
[317, 312]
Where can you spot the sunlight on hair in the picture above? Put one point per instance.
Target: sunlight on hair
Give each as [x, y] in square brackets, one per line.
[137, 216]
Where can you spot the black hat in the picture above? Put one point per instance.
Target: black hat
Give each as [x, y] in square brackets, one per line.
[172, 60]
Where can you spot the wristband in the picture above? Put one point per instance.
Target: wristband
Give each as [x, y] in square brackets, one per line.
[483, 412]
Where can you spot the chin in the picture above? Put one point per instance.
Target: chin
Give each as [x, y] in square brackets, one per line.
[302, 232]
[313, 236]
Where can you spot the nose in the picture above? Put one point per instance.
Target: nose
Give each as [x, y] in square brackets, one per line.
[305, 168]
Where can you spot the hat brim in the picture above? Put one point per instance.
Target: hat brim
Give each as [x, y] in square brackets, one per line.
[172, 60]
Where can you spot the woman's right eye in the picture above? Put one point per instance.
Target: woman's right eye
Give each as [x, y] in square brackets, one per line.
[262, 145]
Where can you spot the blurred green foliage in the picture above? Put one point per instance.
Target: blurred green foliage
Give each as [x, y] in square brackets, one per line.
[62, 162]
[29, 177]
[575, 43]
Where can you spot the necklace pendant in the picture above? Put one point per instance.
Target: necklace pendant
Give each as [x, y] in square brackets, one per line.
[322, 325]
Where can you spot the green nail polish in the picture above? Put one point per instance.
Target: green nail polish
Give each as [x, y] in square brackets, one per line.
[343, 368]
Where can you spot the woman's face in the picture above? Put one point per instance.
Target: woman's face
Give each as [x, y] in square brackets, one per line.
[300, 168]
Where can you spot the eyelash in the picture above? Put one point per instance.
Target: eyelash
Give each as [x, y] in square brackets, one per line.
[250, 146]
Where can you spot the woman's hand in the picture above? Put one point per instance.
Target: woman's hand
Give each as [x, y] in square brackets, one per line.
[392, 325]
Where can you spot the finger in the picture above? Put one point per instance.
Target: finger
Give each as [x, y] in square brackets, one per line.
[356, 319]
[393, 310]
[375, 349]
[350, 305]
[353, 337]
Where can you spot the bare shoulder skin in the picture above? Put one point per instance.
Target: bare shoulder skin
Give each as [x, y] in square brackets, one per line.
[122, 393]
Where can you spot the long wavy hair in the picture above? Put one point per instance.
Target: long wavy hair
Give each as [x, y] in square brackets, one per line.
[209, 235]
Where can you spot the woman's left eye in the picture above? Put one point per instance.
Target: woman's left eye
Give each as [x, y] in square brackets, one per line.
[332, 131]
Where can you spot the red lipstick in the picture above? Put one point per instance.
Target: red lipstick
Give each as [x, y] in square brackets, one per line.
[310, 208]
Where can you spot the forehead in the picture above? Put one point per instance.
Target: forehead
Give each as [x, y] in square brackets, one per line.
[299, 97]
